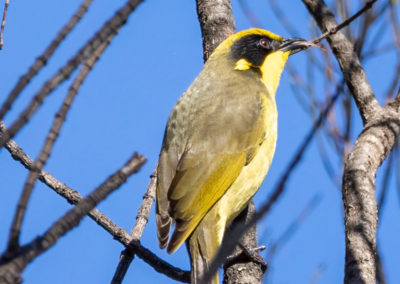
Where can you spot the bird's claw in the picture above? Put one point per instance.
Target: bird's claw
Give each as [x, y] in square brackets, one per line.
[247, 253]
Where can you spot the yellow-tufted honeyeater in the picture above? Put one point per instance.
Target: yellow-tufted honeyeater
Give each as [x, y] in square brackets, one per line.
[219, 143]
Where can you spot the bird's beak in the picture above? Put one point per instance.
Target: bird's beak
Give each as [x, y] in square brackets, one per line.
[294, 45]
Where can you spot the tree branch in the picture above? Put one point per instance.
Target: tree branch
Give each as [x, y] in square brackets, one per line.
[337, 28]
[111, 27]
[349, 63]
[119, 234]
[70, 220]
[3, 23]
[216, 22]
[381, 128]
[42, 59]
[59, 119]
[137, 231]
[242, 269]
[371, 148]
[396, 102]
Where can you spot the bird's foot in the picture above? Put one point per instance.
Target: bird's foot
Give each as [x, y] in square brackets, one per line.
[247, 253]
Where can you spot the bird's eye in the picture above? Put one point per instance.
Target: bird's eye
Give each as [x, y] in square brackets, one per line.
[264, 43]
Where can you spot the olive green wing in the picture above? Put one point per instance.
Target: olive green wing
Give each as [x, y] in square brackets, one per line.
[209, 138]
[207, 180]
[197, 182]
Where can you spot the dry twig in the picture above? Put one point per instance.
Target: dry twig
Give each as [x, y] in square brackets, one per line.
[3, 23]
[137, 231]
[42, 59]
[59, 119]
[11, 269]
[119, 234]
[111, 27]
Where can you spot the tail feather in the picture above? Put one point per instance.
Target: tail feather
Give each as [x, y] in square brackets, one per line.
[203, 245]
[163, 229]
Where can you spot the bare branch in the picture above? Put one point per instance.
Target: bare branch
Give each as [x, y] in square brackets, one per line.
[349, 63]
[249, 14]
[42, 59]
[371, 148]
[347, 22]
[52, 136]
[385, 185]
[316, 276]
[380, 273]
[111, 27]
[3, 24]
[216, 22]
[144, 210]
[285, 22]
[240, 267]
[70, 220]
[382, 127]
[158, 264]
[293, 227]
[119, 234]
[137, 231]
[396, 103]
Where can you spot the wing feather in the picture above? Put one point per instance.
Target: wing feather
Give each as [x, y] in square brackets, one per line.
[191, 208]
[208, 140]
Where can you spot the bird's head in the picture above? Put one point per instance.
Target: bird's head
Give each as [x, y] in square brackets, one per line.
[262, 50]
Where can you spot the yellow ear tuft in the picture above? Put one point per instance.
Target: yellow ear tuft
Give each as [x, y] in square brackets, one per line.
[242, 64]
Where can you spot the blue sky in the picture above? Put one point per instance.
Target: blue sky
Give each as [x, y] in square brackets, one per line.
[123, 107]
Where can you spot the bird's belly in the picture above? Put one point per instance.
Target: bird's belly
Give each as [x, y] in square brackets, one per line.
[246, 185]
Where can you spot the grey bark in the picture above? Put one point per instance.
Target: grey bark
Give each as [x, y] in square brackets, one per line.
[379, 135]
[241, 269]
[361, 214]
[216, 22]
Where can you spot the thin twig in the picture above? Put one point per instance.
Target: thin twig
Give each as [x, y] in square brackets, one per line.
[316, 276]
[44, 57]
[119, 234]
[397, 171]
[137, 231]
[52, 136]
[280, 16]
[396, 101]
[158, 264]
[349, 63]
[293, 227]
[3, 23]
[111, 27]
[70, 220]
[144, 210]
[385, 185]
[73, 217]
[380, 273]
[249, 14]
[291, 230]
[337, 28]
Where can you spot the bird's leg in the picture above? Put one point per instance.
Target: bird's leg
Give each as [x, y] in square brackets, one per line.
[247, 253]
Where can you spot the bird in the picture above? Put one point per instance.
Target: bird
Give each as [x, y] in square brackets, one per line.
[219, 143]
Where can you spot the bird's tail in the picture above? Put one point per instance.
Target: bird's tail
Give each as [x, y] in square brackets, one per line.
[203, 245]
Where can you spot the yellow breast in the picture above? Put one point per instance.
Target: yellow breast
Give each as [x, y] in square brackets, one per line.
[251, 177]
